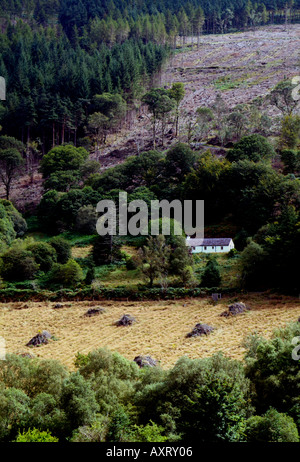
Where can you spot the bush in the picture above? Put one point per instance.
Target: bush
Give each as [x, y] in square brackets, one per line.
[36, 436]
[273, 372]
[251, 147]
[62, 248]
[69, 274]
[272, 427]
[86, 219]
[211, 276]
[62, 158]
[18, 265]
[44, 255]
[106, 249]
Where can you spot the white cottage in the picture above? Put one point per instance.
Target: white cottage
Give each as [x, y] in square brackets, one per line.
[222, 244]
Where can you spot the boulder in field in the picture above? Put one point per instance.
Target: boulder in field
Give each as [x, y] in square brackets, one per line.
[235, 308]
[39, 339]
[145, 361]
[126, 320]
[94, 312]
[200, 329]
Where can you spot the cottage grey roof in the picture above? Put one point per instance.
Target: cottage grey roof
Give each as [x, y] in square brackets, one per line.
[216, 241]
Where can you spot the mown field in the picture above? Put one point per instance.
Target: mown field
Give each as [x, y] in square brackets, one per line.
[160, 329]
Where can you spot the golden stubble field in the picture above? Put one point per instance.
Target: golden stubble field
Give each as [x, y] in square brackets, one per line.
[159, 331]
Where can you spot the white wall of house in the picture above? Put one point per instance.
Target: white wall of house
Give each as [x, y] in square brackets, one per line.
[213, 249]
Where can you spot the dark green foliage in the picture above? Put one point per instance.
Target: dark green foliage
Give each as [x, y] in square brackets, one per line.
[251, 147]
[253, 266]
[106, 249]
[180, 160]
[10, 166]
[44, 255]
[272, 427]
[78, 401]
[90, 275]
[291, 160]
[62, 159]
[211, 393]
[18, 265]
[211, 276]
[62, 181]
[273, 372]
[86, 219]
[118, 429]
[62, 248]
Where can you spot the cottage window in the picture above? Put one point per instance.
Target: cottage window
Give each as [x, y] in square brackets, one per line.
[212, 247]
[221, 247]
[205, 247]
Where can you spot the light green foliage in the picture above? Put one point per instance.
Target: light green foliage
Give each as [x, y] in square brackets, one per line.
[112, 377]
[68, 274]
[7, 231]
[36, 436]
[33, 375]
[14, 411]
[290, 132]
[150, 433]
[94, 433]
[154, 258]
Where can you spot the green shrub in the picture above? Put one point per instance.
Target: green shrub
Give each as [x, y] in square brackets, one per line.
[272, 427]
[18, 265]
[44, 255]
[62, 248]
[151, 433]
[86, 219]
[69, 274]
[62, 158]
[36, 436]
[252, 147]
[211, 276]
